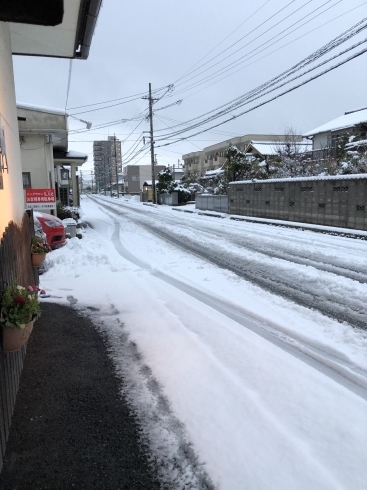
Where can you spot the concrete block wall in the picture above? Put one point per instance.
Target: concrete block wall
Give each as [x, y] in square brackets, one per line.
[339, 201]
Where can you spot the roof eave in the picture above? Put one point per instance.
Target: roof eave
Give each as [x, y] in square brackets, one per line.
[87, 21]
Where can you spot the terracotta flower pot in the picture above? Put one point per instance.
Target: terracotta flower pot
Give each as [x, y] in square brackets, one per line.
[15, 338]
[38, 259]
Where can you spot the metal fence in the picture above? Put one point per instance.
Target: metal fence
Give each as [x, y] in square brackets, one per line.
[15, 263]
[209, 202]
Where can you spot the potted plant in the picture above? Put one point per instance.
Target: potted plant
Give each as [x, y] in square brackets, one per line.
[39, 249]
[19, 309]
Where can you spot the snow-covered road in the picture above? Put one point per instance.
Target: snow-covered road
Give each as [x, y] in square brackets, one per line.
[268, 259]
[230, 329]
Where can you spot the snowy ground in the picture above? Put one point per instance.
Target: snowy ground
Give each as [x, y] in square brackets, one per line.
[236, 371]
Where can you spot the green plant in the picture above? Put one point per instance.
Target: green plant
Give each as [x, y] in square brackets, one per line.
[38, 246]
[62, 211]
[20, 306]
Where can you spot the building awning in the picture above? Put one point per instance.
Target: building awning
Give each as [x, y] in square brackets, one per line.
[69, 157]
[69, 39]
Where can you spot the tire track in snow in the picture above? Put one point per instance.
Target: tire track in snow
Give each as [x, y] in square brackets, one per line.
[260, 275]
[337, 369]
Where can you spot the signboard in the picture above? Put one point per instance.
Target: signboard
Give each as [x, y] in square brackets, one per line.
[40, 198]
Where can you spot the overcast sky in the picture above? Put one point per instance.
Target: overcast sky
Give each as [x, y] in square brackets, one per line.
[161, 42]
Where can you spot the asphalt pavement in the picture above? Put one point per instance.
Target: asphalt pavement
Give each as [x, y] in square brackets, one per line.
[71, 428]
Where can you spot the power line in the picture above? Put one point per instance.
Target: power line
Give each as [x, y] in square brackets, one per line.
[230, 106]
[69, 80]
[273, 98]
[221, 42]
[253, 30]
[115, 100]
[255, 51]
[259, 59]
[106, 107]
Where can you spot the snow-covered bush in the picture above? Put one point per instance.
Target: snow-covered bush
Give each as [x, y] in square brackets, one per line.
[166, 185]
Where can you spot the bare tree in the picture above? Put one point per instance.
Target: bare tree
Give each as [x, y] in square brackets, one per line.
[291, 157]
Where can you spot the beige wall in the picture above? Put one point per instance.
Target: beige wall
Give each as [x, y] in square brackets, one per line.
[37, 158]
[11, 201]
[35, 155]
[146, 173]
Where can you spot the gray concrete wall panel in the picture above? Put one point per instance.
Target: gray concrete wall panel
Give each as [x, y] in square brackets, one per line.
[334, 201]
[208, 202]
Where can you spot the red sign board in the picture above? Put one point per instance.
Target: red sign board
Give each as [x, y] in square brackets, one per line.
[40, 198]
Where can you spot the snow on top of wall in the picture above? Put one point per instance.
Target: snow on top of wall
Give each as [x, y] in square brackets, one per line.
[346, 121]
[37, 108]
[302, 179]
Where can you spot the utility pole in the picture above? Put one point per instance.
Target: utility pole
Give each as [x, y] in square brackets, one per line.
[116, 166]
[151, 140]
[91, 175]
[105, 177]
[110, 170]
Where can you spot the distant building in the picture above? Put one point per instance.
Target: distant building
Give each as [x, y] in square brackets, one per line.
[46, 161]
[136, 175]
[107, 162]
[213, 157]
[324, 138]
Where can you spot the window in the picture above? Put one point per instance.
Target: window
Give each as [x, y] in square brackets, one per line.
[64, 174]
[64, 196]
[26, 180]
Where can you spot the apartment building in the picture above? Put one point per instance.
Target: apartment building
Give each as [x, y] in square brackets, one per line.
[213, 157]
[107, 162]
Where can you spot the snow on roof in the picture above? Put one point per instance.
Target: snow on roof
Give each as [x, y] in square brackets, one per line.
[37, 108]
[342, 122]
[212, 173]
[70, 155]
[271, 147]
[303, 179]
[264, 148]
[149, 182]
[76, 154]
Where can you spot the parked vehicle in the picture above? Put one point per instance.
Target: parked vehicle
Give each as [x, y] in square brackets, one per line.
[54, 229]
[38, 229]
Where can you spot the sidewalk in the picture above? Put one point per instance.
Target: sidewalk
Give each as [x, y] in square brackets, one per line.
[71, 428]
